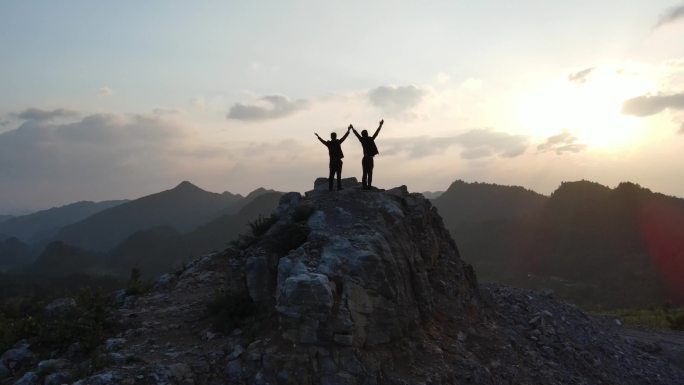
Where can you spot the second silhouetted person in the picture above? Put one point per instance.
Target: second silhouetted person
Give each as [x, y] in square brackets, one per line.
[369, 151]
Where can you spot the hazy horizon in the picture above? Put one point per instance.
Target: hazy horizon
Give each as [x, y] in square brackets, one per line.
[117, 101]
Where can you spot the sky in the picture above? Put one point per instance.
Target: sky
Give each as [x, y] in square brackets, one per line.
[109, 100]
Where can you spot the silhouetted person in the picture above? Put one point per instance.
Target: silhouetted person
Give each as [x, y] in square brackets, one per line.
[335, 151]
[369, 151]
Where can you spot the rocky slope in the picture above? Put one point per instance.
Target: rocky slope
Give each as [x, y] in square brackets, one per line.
[350, 287]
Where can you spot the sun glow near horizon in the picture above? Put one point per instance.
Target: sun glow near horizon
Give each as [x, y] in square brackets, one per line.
[590, 109]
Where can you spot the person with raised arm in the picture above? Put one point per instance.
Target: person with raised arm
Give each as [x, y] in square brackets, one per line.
[335, 152]
[369, 151]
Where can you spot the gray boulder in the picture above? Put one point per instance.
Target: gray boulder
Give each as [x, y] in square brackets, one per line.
[29, 378]
[114, 344]
[17, 357]
[57, 378]
[52, 365]
[60, 307]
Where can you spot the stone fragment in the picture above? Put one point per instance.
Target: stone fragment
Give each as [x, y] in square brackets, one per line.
[113, 344]
[29, 378]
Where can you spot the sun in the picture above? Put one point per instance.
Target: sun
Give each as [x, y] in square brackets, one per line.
[590, 111]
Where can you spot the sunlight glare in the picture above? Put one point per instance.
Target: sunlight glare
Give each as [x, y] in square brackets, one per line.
[591, 111]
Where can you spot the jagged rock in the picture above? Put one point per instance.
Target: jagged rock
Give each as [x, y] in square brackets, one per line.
[52, 365]
[106, 378]
[321, 184]
[258, 278]
[287, 203]
[113, 344]
[116, 358]
[233, 370]
[4, 372]
[29, 378]
[164, 281]
[17, 357]
[58, 378]
[119, 297]
[60, 307]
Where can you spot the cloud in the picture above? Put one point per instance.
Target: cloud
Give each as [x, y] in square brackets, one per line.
[266, 108]
[498, 143]
[393, 99]
[681, 129]
[580, 77]
[165, 111]
[671, 15]
[647, 105]
[475, 144]
[36, 114]
[105, 91]
[561, 143]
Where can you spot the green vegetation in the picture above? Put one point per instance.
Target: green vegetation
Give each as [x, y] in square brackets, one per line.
[136, 285]
[261, 225]
[232, 310]
[85, 322]
[663, 317]
[258, 228]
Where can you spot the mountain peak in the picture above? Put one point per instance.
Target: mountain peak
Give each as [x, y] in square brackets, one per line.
[185, 185]
[257, 192]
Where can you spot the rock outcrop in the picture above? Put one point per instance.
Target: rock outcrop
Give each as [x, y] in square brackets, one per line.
[358, 287]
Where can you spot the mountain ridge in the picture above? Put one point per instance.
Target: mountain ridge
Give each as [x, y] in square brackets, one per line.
[584, 237]
[41, 224]
[183, 207]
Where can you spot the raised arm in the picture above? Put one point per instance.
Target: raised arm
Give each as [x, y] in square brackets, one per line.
[345, 135]
[322, 141]
[355, 133]
[378, 130]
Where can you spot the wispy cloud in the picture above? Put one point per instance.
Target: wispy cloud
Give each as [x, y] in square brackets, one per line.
[647, 105]
[266, 108]
[104, 92]
[671, 15]
[581, 77]
[394, 100]
[477, 143]
[37, 114]
[562, 143]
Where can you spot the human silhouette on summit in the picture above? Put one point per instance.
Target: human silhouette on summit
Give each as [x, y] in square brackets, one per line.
[335, 152]
[369, 151]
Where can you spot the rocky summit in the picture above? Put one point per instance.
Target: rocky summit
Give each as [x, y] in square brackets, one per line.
[355, 287]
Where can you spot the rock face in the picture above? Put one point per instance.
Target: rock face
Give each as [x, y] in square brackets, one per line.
[359, 287]
[372, 269]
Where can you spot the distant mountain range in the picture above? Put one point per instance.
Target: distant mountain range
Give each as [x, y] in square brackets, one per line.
[44, 224]
[182, 208]
[155, 233]
[14, 253]
[157, 250]
[432, 194]
[588, 242]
